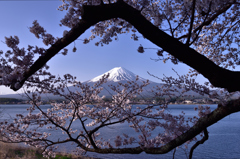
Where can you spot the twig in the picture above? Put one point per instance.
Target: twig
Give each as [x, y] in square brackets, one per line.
[205, 137]
[191, 24]
[174, 153]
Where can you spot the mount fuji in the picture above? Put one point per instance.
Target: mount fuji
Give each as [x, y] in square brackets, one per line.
[120, 74]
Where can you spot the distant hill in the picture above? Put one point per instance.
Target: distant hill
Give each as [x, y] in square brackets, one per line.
[16, 96]
[10, 100]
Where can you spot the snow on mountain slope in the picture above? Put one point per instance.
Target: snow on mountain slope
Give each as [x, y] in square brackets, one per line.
[118, 74]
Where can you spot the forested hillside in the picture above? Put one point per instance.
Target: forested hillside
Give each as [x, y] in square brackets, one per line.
[10, 101]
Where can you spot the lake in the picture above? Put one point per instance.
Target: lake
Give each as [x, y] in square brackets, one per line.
[223, 142]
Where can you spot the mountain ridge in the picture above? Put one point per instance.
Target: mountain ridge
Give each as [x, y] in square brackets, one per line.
[118, 74]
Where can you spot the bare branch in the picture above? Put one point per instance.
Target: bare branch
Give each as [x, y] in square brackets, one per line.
[205, 138]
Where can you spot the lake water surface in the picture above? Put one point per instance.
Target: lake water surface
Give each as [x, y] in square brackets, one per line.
[223, 142]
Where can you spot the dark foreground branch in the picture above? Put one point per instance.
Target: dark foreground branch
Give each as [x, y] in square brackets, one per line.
[72, 35]
[219, 77]
[201, 125]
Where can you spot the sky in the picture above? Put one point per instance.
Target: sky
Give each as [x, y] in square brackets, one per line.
[89, 60]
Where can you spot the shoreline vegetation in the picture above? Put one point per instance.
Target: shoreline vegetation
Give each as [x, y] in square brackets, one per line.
[17, 151]
[172, 101]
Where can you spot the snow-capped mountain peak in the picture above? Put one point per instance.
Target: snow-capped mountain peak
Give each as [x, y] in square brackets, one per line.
[118, 74]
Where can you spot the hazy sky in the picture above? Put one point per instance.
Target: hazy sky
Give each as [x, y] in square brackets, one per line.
[89, 61]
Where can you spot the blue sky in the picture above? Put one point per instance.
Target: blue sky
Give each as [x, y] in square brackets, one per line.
[89, 61]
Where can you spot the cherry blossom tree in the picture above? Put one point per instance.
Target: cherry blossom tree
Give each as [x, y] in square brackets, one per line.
[85, 107]
[201, 34]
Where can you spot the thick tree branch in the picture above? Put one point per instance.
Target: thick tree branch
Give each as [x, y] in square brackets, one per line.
[219, 77]
[201, 125]
[72, 35]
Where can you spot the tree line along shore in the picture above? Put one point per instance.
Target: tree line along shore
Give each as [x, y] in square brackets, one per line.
[174, 100]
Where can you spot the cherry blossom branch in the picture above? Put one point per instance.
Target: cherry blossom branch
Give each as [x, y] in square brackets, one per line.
[208, 22]
[199, 30]
[170, 26]
[204, 122]
[191, 23]
[181, 22]
[101, 114]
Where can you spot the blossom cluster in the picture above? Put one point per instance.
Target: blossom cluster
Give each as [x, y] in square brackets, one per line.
[39, 32]
[16, 61]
